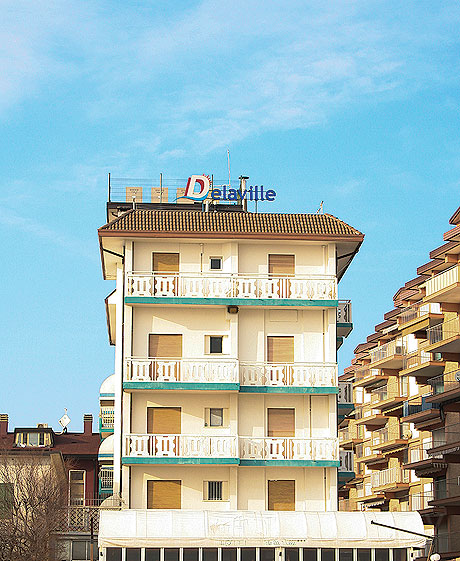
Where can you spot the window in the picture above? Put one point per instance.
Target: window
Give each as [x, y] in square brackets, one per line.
[171, 554]
[82, 550]
[280, 349]
[280, 422]
[229, 554]
[267, 554]
[281, 494]
[165, 262]
[248, 554]
[364, 555]
[327, 554]
[215, 344]
[345, 555]
[77, 486]
[209, 553]
[133, 554]
[113, 554]
[33, 439]
[216, 417]
[153, 554]
[399, 554]
[215, 490]
[310, 554]
[281, 265]
[6, 500]
[381, 554]
[190, 554]
[291, 554]
[163, 420]
[215, 263]
[163, 494]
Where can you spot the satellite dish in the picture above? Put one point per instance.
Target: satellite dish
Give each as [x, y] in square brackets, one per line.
[64, 420]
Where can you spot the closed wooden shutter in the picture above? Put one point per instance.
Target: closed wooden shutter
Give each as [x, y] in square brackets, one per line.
[281, 265]
[166, 262]
[165, 346]
[281, 422]
[164, 494]
[163, 420]
[280, 349]
[281, 495]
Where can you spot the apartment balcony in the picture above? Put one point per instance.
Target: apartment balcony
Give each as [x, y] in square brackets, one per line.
[392, 479]
[106, 419]
[344, 322]
[289, 451]
[164, 373]
[445, 337]
[420, 501]
[388, 438]
[346, 468]
[229, 374]
[389, 355]
[423, 463]
[85, 517]
[350, 436]
[301, 377]
[421, 365]
[106, 481]
[366, 377]
[447, 493]
[366, 454]
[388, 401]
[345, 399]
[446, 389]
[444, 287]
[180, 449]
[419, 317]
[421, 412]
[446, 446]
[370, 417]
[230, 288]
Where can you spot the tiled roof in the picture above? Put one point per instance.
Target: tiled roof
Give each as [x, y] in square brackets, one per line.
[69, 444]
[186, 221]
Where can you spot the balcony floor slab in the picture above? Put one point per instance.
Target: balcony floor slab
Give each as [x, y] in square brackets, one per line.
[272, 302]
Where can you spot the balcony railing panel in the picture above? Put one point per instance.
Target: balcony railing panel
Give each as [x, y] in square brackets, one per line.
[442, 280]
[235, 285]
[387, 477]
[269, 448]
[346, 460]
[344, 311]
[366, 372]
[443, 331]
[416, 359]
[180, 446]
[445, 382]
[209, 370]
[418, 311]
[387, 350]
[107, 415]
[279, 374]
[345, 392]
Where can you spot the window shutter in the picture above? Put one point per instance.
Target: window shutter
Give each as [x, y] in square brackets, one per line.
[165, 346]
[281, 265]
[225, 490]
[281, 422]
[280, 349]
[281, 495]
[163, 420]
[165, 262]
[163, 494]
[226, 421]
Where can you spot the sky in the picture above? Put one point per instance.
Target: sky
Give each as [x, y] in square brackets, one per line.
[352, 103]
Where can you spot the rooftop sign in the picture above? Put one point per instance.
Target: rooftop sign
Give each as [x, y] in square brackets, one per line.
[199, 186]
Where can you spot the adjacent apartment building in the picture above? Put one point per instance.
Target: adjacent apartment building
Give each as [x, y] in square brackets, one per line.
[225, 388]
[405, 428]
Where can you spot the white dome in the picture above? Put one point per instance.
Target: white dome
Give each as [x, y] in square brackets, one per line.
[106, 448]
[108, 386]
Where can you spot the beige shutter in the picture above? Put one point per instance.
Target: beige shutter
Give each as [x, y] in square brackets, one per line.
[280, 349]
[281, 422]
[164, 494]
[165, 262]
[281, 495]
[163, 420]
[281, 265]
[165, 346]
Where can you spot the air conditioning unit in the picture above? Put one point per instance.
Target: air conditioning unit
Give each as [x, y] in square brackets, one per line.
[42, 425]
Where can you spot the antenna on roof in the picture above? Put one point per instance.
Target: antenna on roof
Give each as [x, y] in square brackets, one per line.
[320, 210]
[64, 421]
[228, 162]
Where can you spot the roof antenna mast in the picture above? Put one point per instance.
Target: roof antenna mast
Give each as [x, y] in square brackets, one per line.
[228, 163]
[320, 210]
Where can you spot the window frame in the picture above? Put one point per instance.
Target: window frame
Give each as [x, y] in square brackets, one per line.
[214, 257]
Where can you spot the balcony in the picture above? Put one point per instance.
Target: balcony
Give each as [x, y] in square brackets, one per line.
[366, 377]
[85, 517]
[446, 388]
[388, 437]
[344, 323]
[349, 436]
[370, 417]
[289, 451]
[106, 419]
[420, 501]
[444, 287]
[346, 461]
[390, 355]
[229, 374]
[180, 449]
[421, 365]
[421, 412]
[419, 317]
[230, 288]
[300, 376]
[421, 462]
[164, 373]
[365, 454]
[392, 479]
[446, 443]
[106, 481]
[445, 337]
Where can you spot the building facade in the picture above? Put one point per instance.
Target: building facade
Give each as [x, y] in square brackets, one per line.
[404, 428]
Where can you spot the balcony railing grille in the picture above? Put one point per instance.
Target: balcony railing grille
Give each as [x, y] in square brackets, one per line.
[387, 350]
[443, 331]
[107, 415]
[442, 280]
[390, 476]
[445, 382]
[419, 310]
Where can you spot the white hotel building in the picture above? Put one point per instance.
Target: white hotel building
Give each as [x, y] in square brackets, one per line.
[225, 388]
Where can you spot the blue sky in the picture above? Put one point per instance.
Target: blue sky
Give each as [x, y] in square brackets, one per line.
[354, 103]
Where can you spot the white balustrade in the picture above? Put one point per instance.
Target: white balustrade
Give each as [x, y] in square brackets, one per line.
[286, 448]
[297, 374]
[443, 280]
[226, 285]
[180, 446]
[345, 392]
[181, 370]
[391, 476]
